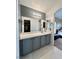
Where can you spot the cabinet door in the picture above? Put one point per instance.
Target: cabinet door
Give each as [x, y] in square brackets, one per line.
[27, 46]
[48, 38]
[43, 41]
[21, 47]
[36, 43]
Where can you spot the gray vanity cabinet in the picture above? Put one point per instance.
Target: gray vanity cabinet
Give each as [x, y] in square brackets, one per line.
[36, 43]
[43, 41]
[48, 39]
[31, 44]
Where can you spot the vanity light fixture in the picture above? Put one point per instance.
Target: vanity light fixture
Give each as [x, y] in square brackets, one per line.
[36, 14]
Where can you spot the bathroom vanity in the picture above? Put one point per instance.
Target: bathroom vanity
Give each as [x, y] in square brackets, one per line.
[34, 31]
[33, 42]
[35, 36]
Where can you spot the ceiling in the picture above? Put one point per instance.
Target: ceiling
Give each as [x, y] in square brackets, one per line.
[45, 5]
[48, 4]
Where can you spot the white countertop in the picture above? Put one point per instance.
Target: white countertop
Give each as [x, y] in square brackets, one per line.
[33, 34]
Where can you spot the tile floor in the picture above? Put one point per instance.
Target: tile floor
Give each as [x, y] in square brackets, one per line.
[47, 52]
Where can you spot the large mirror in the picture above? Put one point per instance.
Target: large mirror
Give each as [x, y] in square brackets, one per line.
[30, 24]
